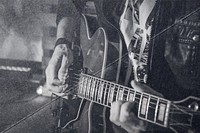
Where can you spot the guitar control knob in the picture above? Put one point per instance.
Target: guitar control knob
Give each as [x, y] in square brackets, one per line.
[57, 130]
[54, 112]
[194, 106]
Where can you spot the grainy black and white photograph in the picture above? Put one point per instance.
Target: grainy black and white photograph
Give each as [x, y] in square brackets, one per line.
[99, 66]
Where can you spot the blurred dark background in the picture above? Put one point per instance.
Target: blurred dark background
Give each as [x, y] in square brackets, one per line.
[27, 38]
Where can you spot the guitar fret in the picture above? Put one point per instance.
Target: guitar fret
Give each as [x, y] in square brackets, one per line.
[148, 102]
[161, 112]
[96, 89]
[88, 88]
[105, 93]
[156, 111]
[134, 96]
[144, 109]
[100, 91]
[138, 99]
[117, 91]
[162, 117]
[108, 95]
[80, 86]
[128, 95]
[112, 88]
[167, 113]
[140, 103]
[125, 94]
[150, 107]
[131, 95]
[85, 87]
[144, 106]
[92, 88]
[120, 97]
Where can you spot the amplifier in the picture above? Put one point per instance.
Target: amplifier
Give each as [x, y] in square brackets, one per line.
[19, 69]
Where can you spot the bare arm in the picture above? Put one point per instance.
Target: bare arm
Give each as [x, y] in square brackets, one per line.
[57, 69]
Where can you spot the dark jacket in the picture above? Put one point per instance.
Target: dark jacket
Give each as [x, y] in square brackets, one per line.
[174, 64]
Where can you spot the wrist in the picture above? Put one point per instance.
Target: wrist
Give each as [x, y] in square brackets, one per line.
[63, 41]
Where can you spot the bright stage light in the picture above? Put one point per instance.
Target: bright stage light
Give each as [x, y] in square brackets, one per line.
[39, 90]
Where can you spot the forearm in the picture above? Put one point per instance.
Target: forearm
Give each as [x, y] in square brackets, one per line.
[65, 32]
[65, 28]
[68, 19]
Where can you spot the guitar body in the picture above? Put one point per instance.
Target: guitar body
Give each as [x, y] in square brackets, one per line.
[94, 50]
[101, 58]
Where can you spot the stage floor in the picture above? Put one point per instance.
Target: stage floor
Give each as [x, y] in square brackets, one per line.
[22, 110]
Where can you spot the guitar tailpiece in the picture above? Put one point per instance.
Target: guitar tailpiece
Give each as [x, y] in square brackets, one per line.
[54, 112]
[57, 130]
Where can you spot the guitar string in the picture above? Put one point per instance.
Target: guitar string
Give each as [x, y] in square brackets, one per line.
[156, 122]
[170, 119]
[154, 99]
[126, 95]
[180, 126]
[131, 89]
[124, 88]
[74, 89]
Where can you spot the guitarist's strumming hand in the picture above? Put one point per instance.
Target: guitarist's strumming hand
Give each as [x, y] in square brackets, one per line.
[57, 69]
[122, 113]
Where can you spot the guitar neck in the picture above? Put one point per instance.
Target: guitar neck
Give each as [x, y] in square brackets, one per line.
[150, 108]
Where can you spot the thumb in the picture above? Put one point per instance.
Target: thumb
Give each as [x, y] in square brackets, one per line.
[63, 71]
[137, 86]
[144, 88]
[67, 59]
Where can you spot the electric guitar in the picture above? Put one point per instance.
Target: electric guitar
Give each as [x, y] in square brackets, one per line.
[95, 48]
[179, 116]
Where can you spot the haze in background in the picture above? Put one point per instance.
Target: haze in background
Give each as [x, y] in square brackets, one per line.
[21, 30]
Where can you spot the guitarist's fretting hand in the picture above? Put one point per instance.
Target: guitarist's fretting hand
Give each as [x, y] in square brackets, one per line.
[57, 69]
[121, 112]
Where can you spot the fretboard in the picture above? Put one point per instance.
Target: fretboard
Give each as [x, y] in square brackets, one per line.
[150, 108]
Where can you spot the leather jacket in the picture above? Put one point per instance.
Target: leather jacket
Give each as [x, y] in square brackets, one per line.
[175, 61]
